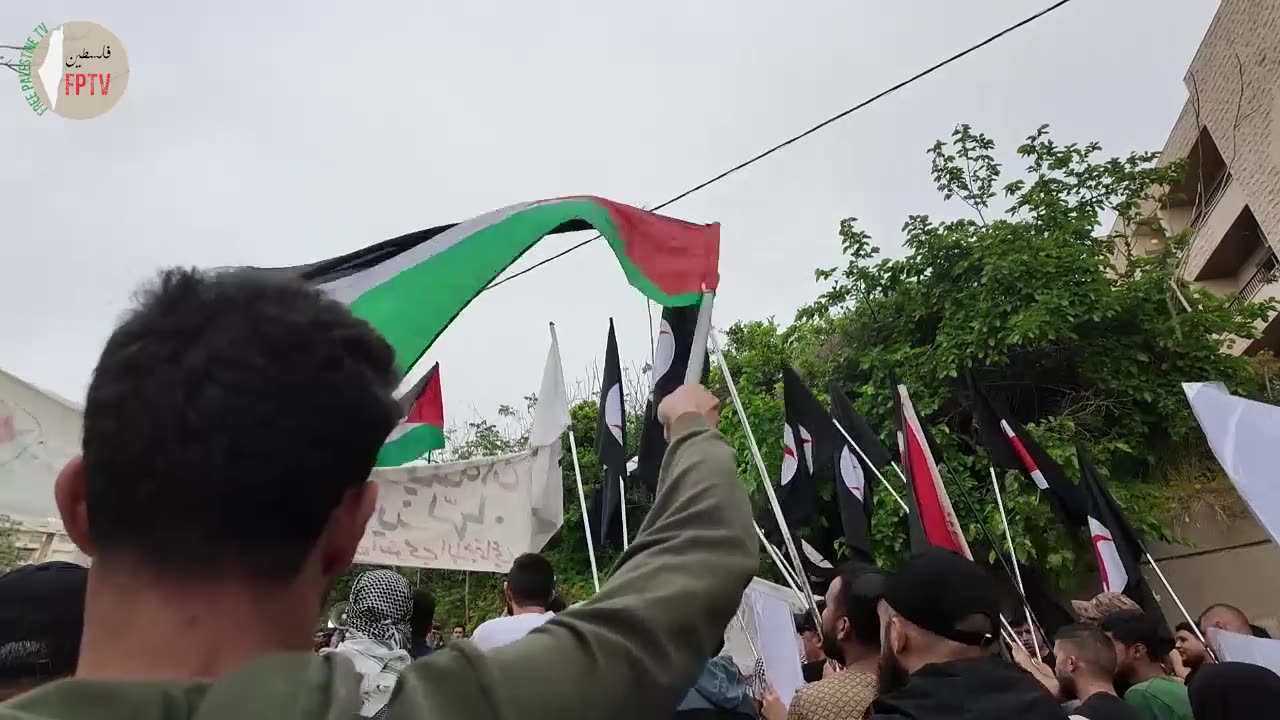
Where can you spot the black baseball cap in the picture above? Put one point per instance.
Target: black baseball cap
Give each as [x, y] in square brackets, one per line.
[41, 620]
[937, 590]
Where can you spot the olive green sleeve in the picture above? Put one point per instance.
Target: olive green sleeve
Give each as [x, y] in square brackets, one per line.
[634, 649]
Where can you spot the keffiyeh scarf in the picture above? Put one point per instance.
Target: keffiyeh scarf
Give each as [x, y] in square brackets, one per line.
[381, 604]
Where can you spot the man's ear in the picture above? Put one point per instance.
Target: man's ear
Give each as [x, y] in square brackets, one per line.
[346, 528]
[69, 494]
[897, 635]
[844, 629]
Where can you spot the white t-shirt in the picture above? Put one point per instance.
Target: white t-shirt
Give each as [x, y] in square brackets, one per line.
[500, 631]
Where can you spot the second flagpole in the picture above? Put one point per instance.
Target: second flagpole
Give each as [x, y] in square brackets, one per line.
[1013, 558]
[764, 480]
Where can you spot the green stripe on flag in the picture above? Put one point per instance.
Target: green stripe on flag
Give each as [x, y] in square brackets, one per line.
[413, 308]
[411, 445]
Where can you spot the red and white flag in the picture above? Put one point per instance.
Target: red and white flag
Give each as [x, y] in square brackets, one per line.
[932, 519]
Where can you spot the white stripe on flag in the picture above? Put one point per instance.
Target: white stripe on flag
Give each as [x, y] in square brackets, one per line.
[1110, 566]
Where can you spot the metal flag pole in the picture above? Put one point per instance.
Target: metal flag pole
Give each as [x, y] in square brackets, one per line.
[1006, 630]
[1017, 582]
[622, 500]
[787, 573]
[764, 480]
[1013, 558]
[869, 464]
[586, 516]
[1178, 601]
[698, 348]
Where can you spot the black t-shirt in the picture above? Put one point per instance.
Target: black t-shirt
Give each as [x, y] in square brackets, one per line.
[1105, 706]
[812, 671]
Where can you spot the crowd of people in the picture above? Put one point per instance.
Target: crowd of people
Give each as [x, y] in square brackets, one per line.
[229, 431]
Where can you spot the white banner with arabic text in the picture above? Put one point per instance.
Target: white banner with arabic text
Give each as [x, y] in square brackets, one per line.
[471, 515]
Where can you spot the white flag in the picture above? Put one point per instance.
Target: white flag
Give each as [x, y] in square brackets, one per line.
[550, 420]
[1245, 437]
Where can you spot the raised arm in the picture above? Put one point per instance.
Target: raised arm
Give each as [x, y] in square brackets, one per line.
[634, 649]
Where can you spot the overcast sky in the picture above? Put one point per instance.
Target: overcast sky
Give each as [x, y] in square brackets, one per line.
[280, 133]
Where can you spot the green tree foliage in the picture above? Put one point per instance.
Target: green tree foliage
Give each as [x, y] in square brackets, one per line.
[1029, 294]
[471, 598]
[1082, 341]
[10, 554]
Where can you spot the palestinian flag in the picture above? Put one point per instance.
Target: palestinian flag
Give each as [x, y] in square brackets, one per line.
[1116, 545]
[853, 474]
[1012, 447]
[932, 520]
[671, 351]
[611, 439]
[422, 429]
[410, 288]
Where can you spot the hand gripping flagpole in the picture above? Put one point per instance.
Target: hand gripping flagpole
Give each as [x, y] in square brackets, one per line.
[1013, 558]
[869, 464]
[764, 480]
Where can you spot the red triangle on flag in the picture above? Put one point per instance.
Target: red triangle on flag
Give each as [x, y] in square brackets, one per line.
[428, 409]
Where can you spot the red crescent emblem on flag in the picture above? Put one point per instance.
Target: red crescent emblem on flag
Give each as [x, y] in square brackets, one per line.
[789, 461]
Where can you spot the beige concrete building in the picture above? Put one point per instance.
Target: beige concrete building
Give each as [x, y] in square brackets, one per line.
[1229, 136]
[42, 541]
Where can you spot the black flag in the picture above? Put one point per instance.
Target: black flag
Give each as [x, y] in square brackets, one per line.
[671, 360]
[807, 449]
[1012, 447]
[808, 458]
[1116, 545]
[611, 438]
[854, 476]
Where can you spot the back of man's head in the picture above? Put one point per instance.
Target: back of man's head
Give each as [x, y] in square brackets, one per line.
[1139, 637]
[228, 417]
[531, 582]
[1083, 652]
[937, 606]
[41, 620]
[424, 612]
[1225, 617]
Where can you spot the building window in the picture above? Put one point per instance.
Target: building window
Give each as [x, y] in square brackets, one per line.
[1207, 177]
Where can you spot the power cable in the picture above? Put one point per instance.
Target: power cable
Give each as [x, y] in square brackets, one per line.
[838, 116]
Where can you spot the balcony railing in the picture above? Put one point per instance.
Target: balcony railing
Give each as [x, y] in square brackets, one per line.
[1267, 272]
[1211, 198]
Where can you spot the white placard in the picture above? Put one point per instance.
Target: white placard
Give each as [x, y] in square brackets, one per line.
[471, 515]
[1246, 649]
[776, 633]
